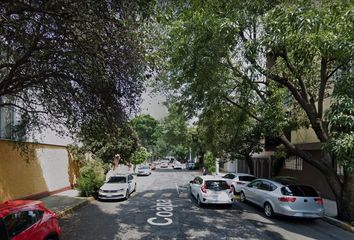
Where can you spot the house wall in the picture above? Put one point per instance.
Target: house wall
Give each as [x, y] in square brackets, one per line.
[36, 172]
[309, 175]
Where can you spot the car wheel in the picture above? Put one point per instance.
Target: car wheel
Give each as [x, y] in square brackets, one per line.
[242, 197]
[268, 210]
[233, 190]
[52, 238]
[199, 202]
[134, 188]
[127, 195]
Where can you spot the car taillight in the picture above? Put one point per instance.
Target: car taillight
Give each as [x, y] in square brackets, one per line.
[287, 199]
[203, 188]
[319, 201]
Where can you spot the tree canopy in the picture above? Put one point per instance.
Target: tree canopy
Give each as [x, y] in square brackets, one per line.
[68, 62]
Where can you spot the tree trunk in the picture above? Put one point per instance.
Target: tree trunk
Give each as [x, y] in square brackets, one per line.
[250, 164]
[346, 210]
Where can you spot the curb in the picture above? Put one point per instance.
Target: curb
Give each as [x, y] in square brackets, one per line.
[73, 208]
[339, 223]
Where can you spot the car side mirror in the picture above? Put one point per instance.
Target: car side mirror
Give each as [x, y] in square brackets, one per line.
[191, 181]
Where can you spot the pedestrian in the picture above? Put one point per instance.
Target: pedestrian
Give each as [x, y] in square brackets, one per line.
[204, 172]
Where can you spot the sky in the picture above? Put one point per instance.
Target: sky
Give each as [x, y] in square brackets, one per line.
[153, 104]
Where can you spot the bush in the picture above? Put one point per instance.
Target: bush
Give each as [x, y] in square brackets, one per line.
[209, 162]
[91, 178]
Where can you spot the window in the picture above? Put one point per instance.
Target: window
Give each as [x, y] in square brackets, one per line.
[255, 184]
[293, 163]
[246, 178]
[267, 186]
[229, 176]
[3, 232]
[299, 191]
[117, 180]
[20, 221]
[216, 185]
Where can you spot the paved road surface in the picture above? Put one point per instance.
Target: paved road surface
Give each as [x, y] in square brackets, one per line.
[167, 190]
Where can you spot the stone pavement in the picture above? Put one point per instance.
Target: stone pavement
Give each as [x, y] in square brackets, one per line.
[65, 202]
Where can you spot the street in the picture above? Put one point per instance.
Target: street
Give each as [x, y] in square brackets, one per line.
[162, 208]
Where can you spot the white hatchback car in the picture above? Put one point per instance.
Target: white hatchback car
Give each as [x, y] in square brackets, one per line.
[238, 180]
[117, 187]
[211, 189]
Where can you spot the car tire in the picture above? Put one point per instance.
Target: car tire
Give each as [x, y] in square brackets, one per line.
[127, 195]
[52, 237]
[233, 190]
[243, 197]
[199, 202]
[268, 210]
[134, 188]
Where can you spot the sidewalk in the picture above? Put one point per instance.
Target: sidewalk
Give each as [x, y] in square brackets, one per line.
[65, 202]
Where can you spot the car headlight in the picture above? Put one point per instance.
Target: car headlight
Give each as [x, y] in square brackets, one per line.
[100, 191]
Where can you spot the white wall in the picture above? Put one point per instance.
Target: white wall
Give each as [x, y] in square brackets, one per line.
[55, 167]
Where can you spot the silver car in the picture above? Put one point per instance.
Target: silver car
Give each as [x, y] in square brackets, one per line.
[290, 200]
[238, 180]
[144, 171]
[117, 187]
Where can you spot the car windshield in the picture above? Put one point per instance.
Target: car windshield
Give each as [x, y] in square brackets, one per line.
[299, 191]
[217, 185]
[117, 180]
[246, 178]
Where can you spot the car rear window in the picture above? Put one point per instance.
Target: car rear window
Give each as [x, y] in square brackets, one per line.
[216, 185]
[246, 178]
[299, 191]
[117, 180]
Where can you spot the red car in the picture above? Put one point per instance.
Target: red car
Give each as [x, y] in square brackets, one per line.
[26, 220]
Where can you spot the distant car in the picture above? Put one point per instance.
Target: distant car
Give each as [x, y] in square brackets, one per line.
[153, 166]
[27, 219]
[238, 180]
[211, 189]
[117, 187]
[190, 165]
[144, 171]
[164, 165]
[290, 200]
[177, 165]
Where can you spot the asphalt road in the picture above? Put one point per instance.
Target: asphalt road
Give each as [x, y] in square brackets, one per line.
[162, 208]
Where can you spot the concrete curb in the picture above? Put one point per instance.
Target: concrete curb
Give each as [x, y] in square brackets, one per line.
[339, 223]
[73, 208]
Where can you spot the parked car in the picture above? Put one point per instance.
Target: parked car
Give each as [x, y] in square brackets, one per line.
[152, 166]
[211, 189]
[117, 187]
[164, 165]
[190, 165]
[144, 171]
[238, 180]
[27, 219]
[290, 200]
[177, 165]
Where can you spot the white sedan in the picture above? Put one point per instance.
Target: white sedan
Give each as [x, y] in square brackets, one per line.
[238, 180]
[211, 189]
[117, 187]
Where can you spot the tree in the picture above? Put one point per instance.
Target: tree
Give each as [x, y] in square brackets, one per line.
[67, 62]
[146, 127]
[139, 156]
[274, 60]
[230, 133]
[105, 142]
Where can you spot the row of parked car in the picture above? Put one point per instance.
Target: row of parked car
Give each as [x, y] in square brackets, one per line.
[275, 197]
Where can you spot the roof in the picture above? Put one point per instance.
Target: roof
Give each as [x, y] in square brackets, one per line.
[13, 205]
[241, 174]
[211, 177]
